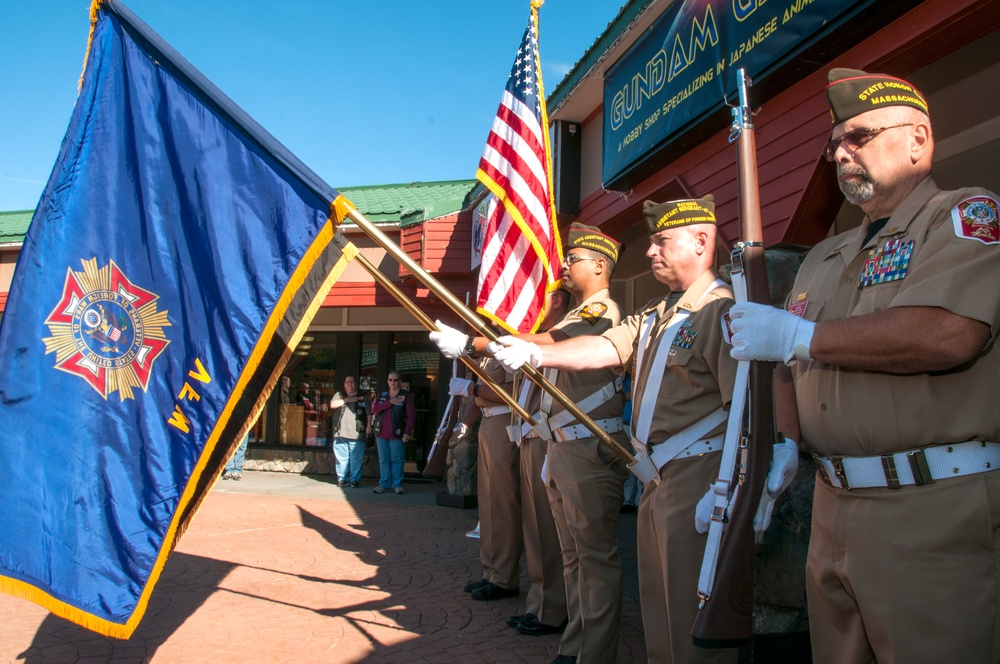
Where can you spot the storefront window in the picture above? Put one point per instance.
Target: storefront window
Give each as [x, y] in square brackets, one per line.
[298, 412]
[304, 392]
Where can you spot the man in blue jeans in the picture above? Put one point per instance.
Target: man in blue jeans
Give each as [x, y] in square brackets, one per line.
[234, 469]
[350, 419]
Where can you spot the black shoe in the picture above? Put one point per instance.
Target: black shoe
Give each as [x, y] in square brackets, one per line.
[565, 659]
[475, 585]
[355, 485]
[626, 509]
[514, 621]
[491, 591]
[532, 627]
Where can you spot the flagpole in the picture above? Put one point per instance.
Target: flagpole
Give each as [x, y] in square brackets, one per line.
[479, 326]
[424, 320]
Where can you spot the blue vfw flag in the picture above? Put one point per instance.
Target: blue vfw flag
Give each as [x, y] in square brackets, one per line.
[175, 259]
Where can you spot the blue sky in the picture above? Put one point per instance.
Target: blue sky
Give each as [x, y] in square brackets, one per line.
[364, 92]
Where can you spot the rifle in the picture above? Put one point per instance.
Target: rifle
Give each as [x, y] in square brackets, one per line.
[725, 614]
[437, 458]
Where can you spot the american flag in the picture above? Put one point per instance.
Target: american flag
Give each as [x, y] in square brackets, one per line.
[521, 247]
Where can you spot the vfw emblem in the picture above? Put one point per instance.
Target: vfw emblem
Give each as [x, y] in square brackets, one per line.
[106, 330]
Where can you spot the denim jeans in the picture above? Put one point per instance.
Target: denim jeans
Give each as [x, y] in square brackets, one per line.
[350, 455]
[235, 464]
[391, 453]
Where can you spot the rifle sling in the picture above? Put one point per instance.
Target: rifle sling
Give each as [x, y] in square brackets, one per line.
[727, 464]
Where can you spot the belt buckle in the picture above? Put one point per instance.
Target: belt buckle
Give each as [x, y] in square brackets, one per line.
[890, 472]
[838, 469]
[918, 464]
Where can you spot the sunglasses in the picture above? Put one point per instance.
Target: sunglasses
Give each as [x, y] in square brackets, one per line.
[855, 139]
[570, 259]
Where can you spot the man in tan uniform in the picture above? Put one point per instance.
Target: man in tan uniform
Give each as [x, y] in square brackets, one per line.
[498, 489]
[545, 605]
[683, 381]
[584, 478]
[891, 332]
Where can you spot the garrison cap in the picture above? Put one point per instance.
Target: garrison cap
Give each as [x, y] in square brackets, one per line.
[590, 237]
[673, 214]
[852, 92]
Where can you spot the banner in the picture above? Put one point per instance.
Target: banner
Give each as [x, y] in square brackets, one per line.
[683, 68]
[174, 261]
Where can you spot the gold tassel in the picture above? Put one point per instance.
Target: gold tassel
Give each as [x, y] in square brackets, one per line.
[95, 7]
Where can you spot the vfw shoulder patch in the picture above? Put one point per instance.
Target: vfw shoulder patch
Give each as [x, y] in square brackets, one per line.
[977, 218]
[593, 312]
[106, 330]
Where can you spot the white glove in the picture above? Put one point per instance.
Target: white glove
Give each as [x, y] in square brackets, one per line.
[784, 463]
[762, 332]
[460, 429]
[703, 512]
[515, 353]
[460, 387]
[449, 341]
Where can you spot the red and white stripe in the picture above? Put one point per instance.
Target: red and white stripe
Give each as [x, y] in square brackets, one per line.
[521, 247]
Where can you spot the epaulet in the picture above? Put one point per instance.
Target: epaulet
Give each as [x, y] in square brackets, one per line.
[650, 306]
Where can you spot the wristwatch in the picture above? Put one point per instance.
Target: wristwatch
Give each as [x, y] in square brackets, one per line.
[470, 346]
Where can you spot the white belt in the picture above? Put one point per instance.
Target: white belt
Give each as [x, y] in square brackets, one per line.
[578, 431]
[490, 411]
[911, 467]
[698, 447]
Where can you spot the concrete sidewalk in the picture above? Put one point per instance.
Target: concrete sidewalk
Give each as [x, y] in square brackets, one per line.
[291, 568]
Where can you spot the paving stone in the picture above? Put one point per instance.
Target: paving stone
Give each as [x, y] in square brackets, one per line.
[290, 568]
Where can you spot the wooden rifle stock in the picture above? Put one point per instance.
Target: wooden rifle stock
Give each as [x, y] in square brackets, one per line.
[438, 457]
[725, 619]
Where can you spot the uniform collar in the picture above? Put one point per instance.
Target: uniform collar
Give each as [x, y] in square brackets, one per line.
[603, 294]
[692, 296]
[898, 223]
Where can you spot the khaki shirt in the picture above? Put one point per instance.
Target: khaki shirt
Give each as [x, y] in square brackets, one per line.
[495, 372]
[850, 412]
[700, 372]
[594, 315]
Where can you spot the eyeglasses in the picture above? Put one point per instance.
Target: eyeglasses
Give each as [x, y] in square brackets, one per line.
[855, 139]
[392, 380]
[570, 259]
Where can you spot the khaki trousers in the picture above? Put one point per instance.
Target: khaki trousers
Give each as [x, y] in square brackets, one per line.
[499, 489]
[585, 491]
[907, 576]
[547, 597]
[670, 552]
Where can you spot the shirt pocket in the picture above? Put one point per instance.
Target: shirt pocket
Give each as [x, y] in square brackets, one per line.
[679, 362]
[877, 297]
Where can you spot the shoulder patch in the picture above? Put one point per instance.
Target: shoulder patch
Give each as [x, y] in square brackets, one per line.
[593, 312]
[977, 218]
